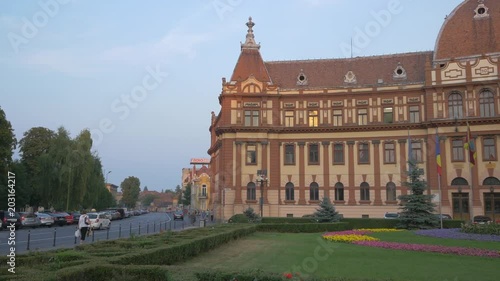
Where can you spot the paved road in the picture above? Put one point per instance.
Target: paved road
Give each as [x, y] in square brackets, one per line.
[43, 238]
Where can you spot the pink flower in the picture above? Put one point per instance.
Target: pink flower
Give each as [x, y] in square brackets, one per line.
[462, 251]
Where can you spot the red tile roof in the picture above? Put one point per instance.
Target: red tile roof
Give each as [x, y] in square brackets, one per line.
[463, 35]
[330, 73]
[250, 63]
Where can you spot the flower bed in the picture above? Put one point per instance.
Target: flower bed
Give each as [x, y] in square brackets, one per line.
[455, 233]
[359, 237]
[462, 251]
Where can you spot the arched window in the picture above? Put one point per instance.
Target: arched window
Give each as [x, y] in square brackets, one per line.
[251, 191]
[455, 106]
[314, 191]
[339, 192]
[491, 181]
[289, 192]
[364, 189]
[459, 181]
[390, 189]
[486, 103]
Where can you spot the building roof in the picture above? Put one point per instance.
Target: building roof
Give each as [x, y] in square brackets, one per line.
[472, 29]
[332, 73]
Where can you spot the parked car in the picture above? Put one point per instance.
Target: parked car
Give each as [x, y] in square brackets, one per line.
[10, 217]
[29, 220]
[76, 217]
[68, 217]
[482, 219]
[391, 215]
[444, 216]
[59, 219]
[178, 215]
[45, 219]
[99, 220]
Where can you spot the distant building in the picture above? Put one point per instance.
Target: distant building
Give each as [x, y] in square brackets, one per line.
[199, 178]
[345, 128]
[113, 189]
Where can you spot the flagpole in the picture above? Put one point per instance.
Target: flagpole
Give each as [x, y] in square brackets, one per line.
[440, 198]
[471, 206]
[438, 152]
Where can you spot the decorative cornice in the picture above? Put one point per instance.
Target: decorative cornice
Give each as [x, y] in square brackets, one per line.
[301, 143]
[376, 141]
[350, 142]
[402, 141]
[325, 143]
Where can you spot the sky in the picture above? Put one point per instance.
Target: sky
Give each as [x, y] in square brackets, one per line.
[144, 76]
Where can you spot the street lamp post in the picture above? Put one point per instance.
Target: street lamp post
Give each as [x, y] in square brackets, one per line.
[262, 178]
[107, 176]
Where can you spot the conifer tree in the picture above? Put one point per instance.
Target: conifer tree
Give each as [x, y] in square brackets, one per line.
[326, 211]
[417, 207]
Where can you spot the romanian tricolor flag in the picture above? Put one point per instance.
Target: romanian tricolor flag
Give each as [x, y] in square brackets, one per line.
[438, 155]
[469, 144]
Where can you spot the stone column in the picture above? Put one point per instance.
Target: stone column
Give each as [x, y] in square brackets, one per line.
[326, 169]
[352, 160]
[376, 170]
[302, 172]
[237, 184]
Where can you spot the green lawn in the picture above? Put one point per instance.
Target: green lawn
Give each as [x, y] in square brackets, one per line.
[285, 252]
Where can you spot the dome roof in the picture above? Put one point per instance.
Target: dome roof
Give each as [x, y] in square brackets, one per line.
[472, 29]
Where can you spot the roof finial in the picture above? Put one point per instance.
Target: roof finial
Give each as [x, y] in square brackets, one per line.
[250, 40]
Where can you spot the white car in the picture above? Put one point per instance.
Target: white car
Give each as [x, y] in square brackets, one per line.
[99, 220]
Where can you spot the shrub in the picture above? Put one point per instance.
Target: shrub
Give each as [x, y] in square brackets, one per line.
[238, 218]
[302, 227]
[251, 215]
[491, 228]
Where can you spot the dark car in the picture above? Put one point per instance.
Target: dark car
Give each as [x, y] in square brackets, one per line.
[76, 217]
[178, 216]
[481, 219]
[9, 218]
[59, 219]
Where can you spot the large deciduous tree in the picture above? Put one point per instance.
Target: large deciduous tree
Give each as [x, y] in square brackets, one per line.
[35, 143]
[186, 195]
[7, 147]
[130, 189]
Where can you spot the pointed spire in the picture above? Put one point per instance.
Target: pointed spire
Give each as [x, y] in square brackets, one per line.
[250, 40]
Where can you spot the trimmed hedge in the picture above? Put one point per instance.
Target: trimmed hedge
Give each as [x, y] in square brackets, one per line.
[288, 220]
[491, 229]
[263, 276]
[302, 227]
[356, 223]
[171, 254]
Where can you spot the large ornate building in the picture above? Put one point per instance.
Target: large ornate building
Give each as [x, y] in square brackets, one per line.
[293, 132]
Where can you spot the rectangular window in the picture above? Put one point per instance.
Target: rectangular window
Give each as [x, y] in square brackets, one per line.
[364, 153]
[251, 118]
[289, 118]
[389, 153]
[313, 154]
[388, 116]
[289, 154]
[457, 150]
[337, 117]
[313, 118]
[489, 149]
[414, 114]
[338, 153]
[251, 155]
[416, 151]
[362, 116]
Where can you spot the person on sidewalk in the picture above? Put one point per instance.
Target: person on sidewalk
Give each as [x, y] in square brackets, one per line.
[83, 225]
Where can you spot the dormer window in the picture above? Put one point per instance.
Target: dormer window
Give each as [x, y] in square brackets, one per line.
[481, 11]
[350, 77]
[302, 78]
[399, 72]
